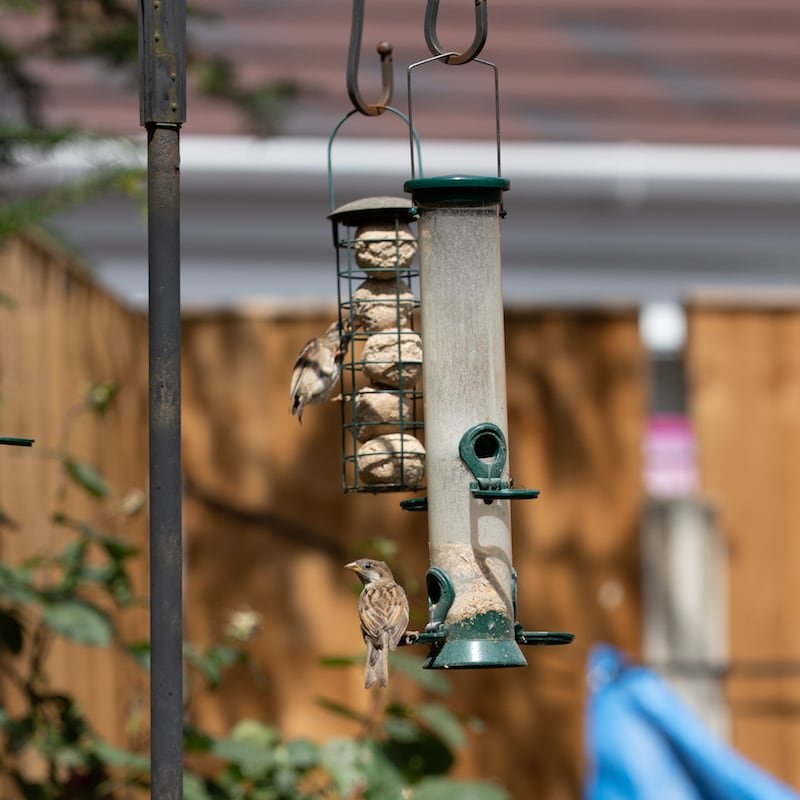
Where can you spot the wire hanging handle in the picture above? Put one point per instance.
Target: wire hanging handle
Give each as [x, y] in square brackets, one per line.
[481, 29]
[354, 52]
[412, 135]
[444, 57]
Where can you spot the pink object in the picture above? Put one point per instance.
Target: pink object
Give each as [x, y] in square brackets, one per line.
[670, 464]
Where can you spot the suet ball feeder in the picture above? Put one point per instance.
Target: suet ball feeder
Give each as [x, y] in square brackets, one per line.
[375, 255]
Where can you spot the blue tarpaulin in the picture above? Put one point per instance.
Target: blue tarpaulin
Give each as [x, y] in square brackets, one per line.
[643, 743]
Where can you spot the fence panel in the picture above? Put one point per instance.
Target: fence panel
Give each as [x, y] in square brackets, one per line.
[744, 371]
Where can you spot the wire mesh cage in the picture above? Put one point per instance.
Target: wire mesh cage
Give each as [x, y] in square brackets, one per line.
[378, 291]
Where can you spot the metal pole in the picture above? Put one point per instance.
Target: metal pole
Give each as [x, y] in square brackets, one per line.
[162, 55]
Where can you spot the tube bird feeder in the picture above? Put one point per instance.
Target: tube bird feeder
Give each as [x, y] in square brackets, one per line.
[471, 582]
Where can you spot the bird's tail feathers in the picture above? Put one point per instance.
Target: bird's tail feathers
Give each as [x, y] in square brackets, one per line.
[377, 668]
[297, 409]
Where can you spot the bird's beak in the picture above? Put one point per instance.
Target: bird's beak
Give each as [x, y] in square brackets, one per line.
[353, 565]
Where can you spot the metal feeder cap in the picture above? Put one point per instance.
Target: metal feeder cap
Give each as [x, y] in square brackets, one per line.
[455, 189]
[368, 209]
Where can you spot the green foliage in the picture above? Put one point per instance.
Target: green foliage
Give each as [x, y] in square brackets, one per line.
[30, 139]
[104, 31]
[100, 397]
[79, 621]
[259, 765]
[7, 302]
[63, 595]
[76, 595]
[213, 663]
[86, 476]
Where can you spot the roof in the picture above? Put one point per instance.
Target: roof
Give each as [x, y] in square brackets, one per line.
[670, 71]
[652, 147]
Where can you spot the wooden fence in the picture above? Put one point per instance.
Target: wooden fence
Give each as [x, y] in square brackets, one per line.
[59, 334]
[744, 379]
[268, 528]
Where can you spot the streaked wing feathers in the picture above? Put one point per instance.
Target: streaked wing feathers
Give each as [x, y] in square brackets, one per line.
[383, 609]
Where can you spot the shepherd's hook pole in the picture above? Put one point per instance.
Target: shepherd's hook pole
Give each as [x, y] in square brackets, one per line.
[162, 104]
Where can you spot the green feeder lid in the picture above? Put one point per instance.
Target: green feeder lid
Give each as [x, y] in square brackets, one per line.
[371, 208]
[454, 189]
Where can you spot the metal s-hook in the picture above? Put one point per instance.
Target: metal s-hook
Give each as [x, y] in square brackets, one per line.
[384, 50]
[481, 29]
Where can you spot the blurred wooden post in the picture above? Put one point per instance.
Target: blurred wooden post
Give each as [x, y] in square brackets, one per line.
[684, 588]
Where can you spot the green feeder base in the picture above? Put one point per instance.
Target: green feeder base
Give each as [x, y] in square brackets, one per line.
[475, 654]
[486, 640]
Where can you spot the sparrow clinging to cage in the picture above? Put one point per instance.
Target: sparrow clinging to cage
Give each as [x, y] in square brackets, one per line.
[383, 611]
[318, 367]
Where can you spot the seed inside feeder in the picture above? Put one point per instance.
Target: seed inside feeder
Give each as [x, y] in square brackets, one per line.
[393, 358]
[378, 305]
[391, 459]
[384, 245]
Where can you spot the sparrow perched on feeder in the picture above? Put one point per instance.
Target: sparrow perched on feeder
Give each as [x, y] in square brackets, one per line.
[318, 367]
[383, 611]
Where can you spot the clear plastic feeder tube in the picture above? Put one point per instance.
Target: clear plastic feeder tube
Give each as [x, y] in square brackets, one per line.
[464, 376]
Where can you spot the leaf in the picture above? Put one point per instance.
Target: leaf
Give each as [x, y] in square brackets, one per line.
[100, 396]
[115, 580]
[8, 302]
[213, 662]
[72, 561]
[195, 740]
[254, 732]
[340, 709]
[250, 746]
[69, 757]
[12, 633]
[424, 754]
[342, 759]
[27, 790]
[194, 787]
[15, 585]
[384, 780]
[87, 477]
[443, 723]
[336, 662]
[74, 554]
[117, 549]
[79, 621]
[115, 757]
[140, 653]
[444, 789]
[411, 666]
[18, 733]
[302, 754]
[252, 759]
[361, 769]
[401, 730]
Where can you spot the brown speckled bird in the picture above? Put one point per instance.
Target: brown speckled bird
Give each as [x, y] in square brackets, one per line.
[383, 610]
[318, 367]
